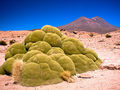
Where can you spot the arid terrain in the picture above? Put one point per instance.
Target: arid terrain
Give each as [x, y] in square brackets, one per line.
[106, 78]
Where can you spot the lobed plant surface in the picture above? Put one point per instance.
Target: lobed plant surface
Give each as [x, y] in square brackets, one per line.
[47, 56]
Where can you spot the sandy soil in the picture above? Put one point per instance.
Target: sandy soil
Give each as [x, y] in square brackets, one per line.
[99, 80]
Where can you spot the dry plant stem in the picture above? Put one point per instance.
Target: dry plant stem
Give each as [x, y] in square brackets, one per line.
[17, 70]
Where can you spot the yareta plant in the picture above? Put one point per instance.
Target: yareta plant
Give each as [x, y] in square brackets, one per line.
[47, 56]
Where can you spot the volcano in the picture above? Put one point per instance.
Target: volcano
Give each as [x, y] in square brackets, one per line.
[95, 24]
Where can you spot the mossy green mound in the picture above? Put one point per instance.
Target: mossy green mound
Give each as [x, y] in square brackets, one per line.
[18, 56]
[2, 71]
[98, 62]
[34, 74]
[55, 50]
[65, 62]
[89, 51]
[29, 54]
[63, 37]
[34, 36]
[28, 45]
[91, 56]
[8, 55]
[51, 29]
[72, 46]
[42, 58]
[41, 46]
[53, 39]
[16, 48]
[83, 63]
[48, 57]
[8, 65]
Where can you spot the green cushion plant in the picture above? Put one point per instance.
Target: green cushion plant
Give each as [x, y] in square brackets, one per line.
[72, 46]
[55, 50]
[41, 46]
[51, 29]
[53, 39]
[16, 48]
[34, 36]
[47, 57]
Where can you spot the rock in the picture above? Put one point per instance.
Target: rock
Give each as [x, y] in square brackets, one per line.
[6, 84]
[85, 76]
[62, 30]
[101, 40]
[118, 67]
[14, 82]
[111, 67]
[74, 32]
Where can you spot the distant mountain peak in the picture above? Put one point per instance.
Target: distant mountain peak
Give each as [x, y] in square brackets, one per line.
[83, 17]
[95, 24]
[97, 17]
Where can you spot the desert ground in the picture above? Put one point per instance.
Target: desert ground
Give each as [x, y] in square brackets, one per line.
[106, 78]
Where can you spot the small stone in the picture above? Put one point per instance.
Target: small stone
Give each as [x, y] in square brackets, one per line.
[74, 32]
[118, 67]
[6, 84]
[101, 40]
[111, 67]
[85, 76]
[14, 82]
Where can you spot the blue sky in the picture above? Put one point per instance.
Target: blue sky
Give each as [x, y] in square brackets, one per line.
[33, 14]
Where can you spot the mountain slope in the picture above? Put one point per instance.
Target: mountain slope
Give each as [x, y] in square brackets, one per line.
[95, 24]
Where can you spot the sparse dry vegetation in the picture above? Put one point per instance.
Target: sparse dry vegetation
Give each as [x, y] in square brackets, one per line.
[91, 34]
[17, 70]
[66, 76]
[74, 32]
[3, 43]
[108, 36]
[62, 30]
[118, 43]
[12, 41]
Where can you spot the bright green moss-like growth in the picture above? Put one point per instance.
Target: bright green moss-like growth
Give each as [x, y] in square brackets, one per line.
[98, 62]
[35, 36]
[89, 51]
[83, 63]
[7, 55]
[43, 58]
[2, 71]
[8, 65]
[28, 45]
[18, 56]
[64, 37]
[53, 39]
[91, 56]
[29, 54]
[16, 48]
[47, 57]
[34, 74]
[55, 50]
[72, 46]
[41, 46]
[51, 29]
[65, 62]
